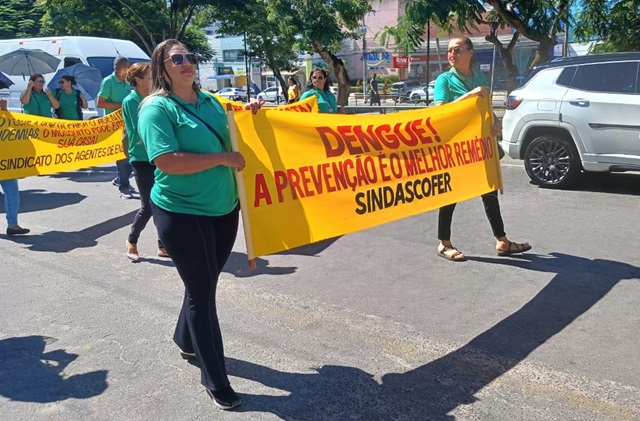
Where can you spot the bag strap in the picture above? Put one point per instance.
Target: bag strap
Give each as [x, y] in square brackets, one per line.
[211, 129]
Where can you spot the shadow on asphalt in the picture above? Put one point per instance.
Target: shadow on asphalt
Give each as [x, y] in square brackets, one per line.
[618, 183]
[63, 242]
[28, 374]
[238, 265]
[88, 175]
[38, 200]
[431, 391]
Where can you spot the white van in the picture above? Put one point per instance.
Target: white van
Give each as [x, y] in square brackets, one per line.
[92, 51]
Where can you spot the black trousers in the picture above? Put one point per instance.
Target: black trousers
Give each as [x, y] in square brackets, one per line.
[491, 208]
[144, 174]
[199, 247]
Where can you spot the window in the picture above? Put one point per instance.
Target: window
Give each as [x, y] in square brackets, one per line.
[233, 55]
[618, 77]
[105, 64]
[70, 61]
[566, 76]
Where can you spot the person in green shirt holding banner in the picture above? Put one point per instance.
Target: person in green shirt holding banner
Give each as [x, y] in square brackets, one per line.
[36, 100]
[194, 201]
[319, 86]
[460, 82]
[139, 76]
[72, 101]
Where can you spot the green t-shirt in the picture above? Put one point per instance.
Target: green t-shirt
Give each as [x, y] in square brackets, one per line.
[166, 128]
[68, 105]
[448, 87]
[326, 100]
[130, 104]
[39, 104]
[113, 90]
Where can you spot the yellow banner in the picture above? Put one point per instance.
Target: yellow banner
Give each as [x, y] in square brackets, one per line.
[309, 105]
[33, 145]
[320, 177]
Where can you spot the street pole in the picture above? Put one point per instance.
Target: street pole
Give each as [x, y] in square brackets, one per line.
[364, 59]
[428, 73]
[246, 65]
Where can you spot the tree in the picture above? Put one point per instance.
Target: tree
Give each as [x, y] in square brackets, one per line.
[275, 50]
[148, 21]
[320, 26]
[538, 20]
[20, 18]
[616, 23]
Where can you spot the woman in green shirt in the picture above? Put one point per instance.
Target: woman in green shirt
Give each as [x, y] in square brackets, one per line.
[460, 82]
[194, 201]
[319, 86]
[139, 77]
[71, 100]
[36, 100]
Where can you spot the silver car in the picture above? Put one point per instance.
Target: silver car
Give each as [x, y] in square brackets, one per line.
[575, 114]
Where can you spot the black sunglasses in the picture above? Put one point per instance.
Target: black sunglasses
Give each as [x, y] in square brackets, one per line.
[178, 59]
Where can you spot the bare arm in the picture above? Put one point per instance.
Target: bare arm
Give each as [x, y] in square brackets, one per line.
[189, 163]
[26, 95]
[103, 103]
[84, 102]
[54, 102]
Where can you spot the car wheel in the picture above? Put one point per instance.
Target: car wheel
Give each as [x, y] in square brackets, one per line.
[552, 162]
[415, 98]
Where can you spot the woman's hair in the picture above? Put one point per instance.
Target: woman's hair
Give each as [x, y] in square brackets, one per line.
[69, 78]
[294, 80]
[137, 70]
[326, 78]
[160, 86]
[35, 76]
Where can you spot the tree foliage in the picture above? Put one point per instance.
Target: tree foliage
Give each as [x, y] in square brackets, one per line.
[148, 22]
[274, 50]
[320, 26]
[20, 18]
[616, 23]
[537, 20]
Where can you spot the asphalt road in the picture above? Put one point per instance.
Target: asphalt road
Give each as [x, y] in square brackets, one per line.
[369, 326]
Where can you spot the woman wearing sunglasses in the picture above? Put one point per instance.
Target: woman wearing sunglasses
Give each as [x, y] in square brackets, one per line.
[139, 77]
[319, 86]
[36, 100]
[460, 82]
[72, 101]
[194, 201]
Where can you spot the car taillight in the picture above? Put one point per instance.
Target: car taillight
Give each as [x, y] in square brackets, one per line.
[512, 102]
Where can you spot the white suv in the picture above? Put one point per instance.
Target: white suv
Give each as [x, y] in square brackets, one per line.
[573, 114]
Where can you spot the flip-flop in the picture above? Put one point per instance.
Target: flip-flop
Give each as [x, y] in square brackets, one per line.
[451, 257]
[519, 248]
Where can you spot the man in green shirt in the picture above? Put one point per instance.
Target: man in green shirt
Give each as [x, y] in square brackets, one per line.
[113, 89]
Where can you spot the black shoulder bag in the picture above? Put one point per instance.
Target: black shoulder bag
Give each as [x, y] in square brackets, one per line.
[211, 129]
[500, 151]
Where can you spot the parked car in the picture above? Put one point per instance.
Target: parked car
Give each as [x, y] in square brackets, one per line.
[269, 95]
[234, 94]
[334, 91]
[422, 94]
[402, 89]
[574, 114]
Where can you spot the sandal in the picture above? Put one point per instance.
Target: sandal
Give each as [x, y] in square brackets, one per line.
[514, 248]
[451, 256]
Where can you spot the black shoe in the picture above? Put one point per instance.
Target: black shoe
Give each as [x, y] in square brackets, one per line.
[224, 399]
[17, 231]
[115, 182]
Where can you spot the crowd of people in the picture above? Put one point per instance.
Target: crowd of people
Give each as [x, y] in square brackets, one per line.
[179, 150]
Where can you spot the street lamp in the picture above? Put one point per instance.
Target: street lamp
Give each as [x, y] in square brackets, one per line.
[363, 32]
